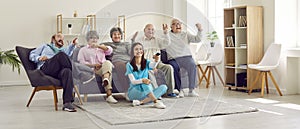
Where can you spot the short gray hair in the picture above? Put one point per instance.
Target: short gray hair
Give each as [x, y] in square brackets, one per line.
[91, 34]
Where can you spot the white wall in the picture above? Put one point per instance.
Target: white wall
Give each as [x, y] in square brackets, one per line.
[138, 13]
[286, 33]
[30, 23]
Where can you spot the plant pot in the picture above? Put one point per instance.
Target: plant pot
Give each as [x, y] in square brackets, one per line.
[212, 44]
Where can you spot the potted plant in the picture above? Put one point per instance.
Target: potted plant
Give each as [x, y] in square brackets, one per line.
[10, 58]
[211, 37]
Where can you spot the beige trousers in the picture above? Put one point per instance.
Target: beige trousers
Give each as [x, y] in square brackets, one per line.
[169, 76]
[106, 68]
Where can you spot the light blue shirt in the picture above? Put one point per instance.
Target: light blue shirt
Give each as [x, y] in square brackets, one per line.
[45, 50]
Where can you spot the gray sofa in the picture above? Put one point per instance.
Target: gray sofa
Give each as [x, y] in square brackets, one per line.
[86, 80]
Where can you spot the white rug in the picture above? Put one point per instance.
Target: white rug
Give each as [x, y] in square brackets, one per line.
[182, 108]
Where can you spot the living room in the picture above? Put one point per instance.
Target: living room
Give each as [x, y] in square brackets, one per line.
[31, 23]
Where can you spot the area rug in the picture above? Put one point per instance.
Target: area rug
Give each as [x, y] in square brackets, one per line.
[182, 108]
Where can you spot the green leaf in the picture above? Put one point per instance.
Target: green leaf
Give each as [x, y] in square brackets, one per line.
[212, 36]
[10, 58]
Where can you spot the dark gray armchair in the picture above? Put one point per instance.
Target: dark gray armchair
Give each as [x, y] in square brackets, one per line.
[39, 81]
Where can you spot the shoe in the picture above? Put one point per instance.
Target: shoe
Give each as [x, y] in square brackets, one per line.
[159, 105]
[181, 94]
[69, 107]
[176, 91]
[111, 99]
[105, 82]
[172, 95]
[159, 98]
[193, 93]
[126, 96]
[136, 103]
[89, 80]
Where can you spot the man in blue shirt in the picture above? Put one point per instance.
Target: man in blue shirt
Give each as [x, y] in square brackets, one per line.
[53, 60]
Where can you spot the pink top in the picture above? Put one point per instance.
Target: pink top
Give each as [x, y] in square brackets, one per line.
[89, 55]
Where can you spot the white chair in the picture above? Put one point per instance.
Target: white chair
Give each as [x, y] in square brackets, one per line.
[214, 57]
[269, 62]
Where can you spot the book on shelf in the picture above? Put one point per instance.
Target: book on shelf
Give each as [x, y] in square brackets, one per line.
[242, 21]
[243, 66]
[243, 45]
[230, 41]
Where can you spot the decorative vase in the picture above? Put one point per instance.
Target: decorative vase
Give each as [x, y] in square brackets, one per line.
[69, 28]
[212, 44]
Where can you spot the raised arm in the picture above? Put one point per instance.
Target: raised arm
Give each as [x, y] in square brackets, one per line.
[195, 38]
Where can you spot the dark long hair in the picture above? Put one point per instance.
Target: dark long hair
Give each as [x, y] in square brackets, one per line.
[132, 62]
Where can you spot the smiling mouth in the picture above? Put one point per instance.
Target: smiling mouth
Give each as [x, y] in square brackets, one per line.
[60, 42]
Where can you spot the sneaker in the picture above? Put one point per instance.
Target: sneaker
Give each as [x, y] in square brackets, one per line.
[111, 99]
[176, 91]
[159, 105]
[172, 95]
[193, 93]
[69, 107]
[159, 98]
[181, 94]
[136, 103]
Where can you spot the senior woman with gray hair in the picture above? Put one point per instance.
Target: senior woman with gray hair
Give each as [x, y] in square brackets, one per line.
[93, 55]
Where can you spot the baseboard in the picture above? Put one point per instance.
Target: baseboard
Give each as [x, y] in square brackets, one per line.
[15, 83]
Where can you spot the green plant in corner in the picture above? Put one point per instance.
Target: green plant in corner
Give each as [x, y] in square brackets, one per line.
[211, 37]
[10, 58]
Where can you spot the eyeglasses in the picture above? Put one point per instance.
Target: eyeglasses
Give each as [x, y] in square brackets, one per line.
[178, 23]
[93, 38]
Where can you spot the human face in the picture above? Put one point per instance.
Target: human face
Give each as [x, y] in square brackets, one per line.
[138, 51]
[59, 40]
[116, 37]
[176, 26]
[93, 40]
[149, 31]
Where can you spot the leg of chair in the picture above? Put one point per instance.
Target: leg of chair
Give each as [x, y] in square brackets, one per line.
[203, 75]
[267, 85]
[209, 72]
[78, 94]
[85, 97]
[256, 79]
[263, 84]
[199, 71]
[213, 74]
[55, 98]
[32, 94]
[273, 80]
[219, 76]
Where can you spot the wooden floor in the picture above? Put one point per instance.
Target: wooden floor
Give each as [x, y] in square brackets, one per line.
[273, 112]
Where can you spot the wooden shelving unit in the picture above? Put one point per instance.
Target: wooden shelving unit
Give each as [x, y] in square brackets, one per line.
[243, 45]
[80, 25]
